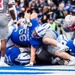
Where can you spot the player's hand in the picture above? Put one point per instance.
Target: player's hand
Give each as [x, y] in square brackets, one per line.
[15, 25]
[30, 64]
[34, 15]
[27, 16]
[27, 20]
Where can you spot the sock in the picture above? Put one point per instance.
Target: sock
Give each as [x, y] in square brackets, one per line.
[2, 59]
[72, 58]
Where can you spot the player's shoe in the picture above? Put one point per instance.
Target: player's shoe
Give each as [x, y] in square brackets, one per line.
[3, 64]
[63, 48]
[71, 63]
[57, 60]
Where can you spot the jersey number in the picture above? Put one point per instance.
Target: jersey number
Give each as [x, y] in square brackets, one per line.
[1, 5]
[23, 35]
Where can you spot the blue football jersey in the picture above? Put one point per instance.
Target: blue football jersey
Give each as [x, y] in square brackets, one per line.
[11, 54]
[71, 47]
[36, 42]
[22, 36]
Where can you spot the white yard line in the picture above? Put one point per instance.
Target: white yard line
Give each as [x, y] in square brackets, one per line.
[39, 70]
[53, 67]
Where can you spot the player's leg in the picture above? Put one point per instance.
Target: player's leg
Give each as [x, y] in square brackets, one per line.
[3, 37]
[56, 48]
[63, 55]
[50, 38]
[43, 57]
[11, 54]
[3, 48]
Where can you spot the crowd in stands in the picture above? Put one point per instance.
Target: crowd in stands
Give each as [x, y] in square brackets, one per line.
[45, 8]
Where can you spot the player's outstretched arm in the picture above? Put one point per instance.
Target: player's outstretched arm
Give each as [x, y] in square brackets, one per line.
[13, 12]
[32, 58]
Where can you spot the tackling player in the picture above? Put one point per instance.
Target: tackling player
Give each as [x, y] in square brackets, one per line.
[49, 38]
[69, 26]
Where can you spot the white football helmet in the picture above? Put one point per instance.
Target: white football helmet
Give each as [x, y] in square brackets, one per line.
[67, 20]
[42, 29]
[23, 58]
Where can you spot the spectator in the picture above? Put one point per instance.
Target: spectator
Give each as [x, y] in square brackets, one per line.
[42, 3]
[53, 24]
[60, 12]
[73, 2]
[54, 10]
[68, 6]
[36, 5]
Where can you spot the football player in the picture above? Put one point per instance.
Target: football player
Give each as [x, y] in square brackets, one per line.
[49, 38]
[69, 26]
[4, 4]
